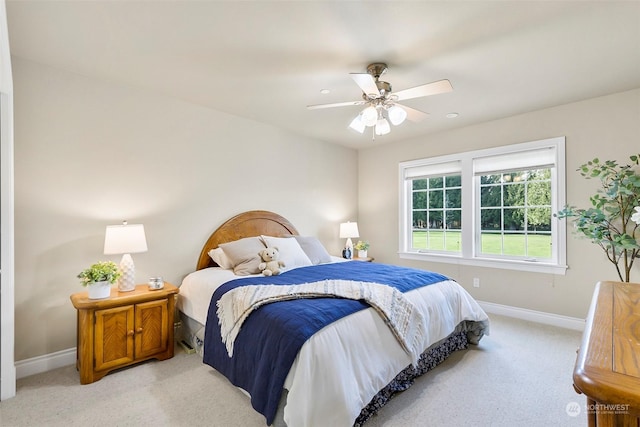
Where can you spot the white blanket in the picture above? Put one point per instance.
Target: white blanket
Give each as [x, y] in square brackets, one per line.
[398, 312]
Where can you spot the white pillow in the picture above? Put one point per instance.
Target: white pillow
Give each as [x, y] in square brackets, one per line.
[291, 252]
[244, 254]
[314, 249]
[220, 258]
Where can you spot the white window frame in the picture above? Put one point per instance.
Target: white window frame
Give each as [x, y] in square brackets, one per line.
[470, 210]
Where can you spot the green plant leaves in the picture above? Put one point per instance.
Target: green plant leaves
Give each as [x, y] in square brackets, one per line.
[608, 223]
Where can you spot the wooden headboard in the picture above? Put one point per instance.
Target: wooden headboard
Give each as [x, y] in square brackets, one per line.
[247, 224]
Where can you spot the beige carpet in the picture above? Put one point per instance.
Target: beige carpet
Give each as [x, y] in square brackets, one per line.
[518, 376]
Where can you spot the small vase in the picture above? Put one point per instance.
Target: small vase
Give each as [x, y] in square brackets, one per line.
[362, 254]
[99, 290]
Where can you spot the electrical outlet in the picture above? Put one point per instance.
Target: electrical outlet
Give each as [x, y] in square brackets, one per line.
[476, 282]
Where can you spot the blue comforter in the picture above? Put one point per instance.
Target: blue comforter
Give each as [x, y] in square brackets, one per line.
[272, 336]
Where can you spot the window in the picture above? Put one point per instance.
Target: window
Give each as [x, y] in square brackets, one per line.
[488, 207]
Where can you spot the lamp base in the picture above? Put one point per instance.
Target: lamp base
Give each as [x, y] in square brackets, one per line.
[127, 281]
[347, 252]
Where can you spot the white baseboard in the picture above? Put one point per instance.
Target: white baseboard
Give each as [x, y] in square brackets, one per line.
[534, 316]
[46, 362]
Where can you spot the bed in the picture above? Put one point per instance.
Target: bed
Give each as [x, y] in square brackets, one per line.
[339, 372]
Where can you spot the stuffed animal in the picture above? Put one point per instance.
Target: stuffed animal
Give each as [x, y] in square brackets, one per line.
[270, 265]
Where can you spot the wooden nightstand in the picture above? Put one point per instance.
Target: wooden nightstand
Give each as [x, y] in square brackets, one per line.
[367, 259]
[126, 328]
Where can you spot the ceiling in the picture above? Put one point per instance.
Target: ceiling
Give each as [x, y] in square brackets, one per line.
[268, 60]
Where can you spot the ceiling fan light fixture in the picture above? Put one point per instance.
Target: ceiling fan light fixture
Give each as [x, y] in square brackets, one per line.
[357, 124]
[382, 126]
[397, 115]
[369, 116]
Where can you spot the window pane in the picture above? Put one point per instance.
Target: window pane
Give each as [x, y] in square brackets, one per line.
[539, 245]
[453, 181]
[490, 196]
[436, 199]
[420, 200]
[490, 179]
[419, 184]
[436, 240]
[513, 244]
[514, 194]
[419, 219]
[452, 241]
[539, 220]
[491, 243]
[435, 220]
[539, 174]
[539, 193]
[490, 219]
[514, 219]
[436, 182]
[454, 220]
[453, 198]
[419, 239]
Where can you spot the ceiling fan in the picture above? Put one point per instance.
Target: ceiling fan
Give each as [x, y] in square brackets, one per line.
[382, 104]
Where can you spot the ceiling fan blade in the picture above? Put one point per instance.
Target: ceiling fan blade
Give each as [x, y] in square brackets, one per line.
[413, 114]
[441, 86]
[337, 104]
[367, 83]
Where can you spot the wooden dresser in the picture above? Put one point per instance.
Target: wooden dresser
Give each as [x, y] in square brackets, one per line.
[607, 369]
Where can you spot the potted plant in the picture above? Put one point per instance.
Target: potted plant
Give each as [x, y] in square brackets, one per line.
[362, 247]
[611, 222]
[99, 278]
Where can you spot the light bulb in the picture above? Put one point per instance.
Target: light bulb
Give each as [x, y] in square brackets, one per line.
[382, 127]
[397, 115]
[357, 125]
[369, 116]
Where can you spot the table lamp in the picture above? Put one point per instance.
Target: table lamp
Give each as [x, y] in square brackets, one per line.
[347, 231]
[125, 239]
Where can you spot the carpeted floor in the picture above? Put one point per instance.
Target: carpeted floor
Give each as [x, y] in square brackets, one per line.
[518, 376]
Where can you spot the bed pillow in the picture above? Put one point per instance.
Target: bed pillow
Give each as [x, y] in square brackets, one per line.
[314, 249]
[290, 251]
[219, 257]
[244, 255]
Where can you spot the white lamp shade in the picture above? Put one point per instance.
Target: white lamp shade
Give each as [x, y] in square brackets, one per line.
[382, 127]
[348, 230]
[397, 115]
[125, 239]
[369, 116]
[357, 125]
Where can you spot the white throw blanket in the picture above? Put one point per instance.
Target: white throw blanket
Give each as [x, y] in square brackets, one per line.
[404, 320]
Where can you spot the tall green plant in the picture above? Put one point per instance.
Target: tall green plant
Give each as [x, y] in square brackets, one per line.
[609, 223]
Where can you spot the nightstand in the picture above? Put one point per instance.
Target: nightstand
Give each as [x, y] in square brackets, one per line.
[124, 329]
[367, 259]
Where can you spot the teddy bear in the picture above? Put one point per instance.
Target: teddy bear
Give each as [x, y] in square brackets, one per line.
[270, 265]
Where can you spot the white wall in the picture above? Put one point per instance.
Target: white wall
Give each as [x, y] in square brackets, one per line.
[7, 368]
[90, 153]
[606, 127]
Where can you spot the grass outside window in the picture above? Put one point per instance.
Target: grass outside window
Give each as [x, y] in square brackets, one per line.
[536, 245]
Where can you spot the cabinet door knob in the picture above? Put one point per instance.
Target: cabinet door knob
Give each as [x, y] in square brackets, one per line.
[139, 330]
[130, 333]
